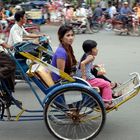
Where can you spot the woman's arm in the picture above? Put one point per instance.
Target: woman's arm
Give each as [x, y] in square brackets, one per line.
[89, 59]
[61, 64]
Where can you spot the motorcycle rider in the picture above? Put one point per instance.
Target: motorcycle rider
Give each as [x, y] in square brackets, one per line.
[97, 13]
[111, 10]
[125, 11]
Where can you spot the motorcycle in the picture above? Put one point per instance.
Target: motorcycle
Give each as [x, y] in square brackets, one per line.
[132, 29]
[84, 25]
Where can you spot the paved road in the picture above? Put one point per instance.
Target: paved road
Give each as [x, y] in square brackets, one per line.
[120, 54]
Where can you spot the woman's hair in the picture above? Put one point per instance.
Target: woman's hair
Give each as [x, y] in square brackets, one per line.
[19, 15]
[63, 30]
[71, 60]
[88, 45]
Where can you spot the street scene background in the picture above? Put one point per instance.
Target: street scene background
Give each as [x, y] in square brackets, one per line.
[120, 55]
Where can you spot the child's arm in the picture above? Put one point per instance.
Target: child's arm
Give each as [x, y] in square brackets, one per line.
[89, 59]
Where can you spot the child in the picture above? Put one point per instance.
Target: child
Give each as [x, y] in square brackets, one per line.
[84, 71]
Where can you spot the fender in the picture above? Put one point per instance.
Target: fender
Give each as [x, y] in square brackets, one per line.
[72, 86]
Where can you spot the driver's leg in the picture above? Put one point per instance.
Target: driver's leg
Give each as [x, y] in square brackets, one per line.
[7, 70]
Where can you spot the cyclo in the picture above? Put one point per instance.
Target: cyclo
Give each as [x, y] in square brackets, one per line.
[71, 108]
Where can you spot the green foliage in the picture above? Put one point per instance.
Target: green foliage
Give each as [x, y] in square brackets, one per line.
[6, 1]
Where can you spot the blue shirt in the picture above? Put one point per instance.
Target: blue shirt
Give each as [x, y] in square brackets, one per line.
[88, 68]
[125, 11]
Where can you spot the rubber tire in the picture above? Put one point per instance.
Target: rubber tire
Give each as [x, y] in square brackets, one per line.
[77, 89]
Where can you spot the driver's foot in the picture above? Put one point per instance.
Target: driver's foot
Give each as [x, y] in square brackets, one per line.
[17, 102]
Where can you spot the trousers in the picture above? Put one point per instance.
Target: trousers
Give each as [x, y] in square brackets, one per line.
[104, 86]
[7, 70]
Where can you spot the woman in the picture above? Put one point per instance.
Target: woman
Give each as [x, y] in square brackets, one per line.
[64, 58]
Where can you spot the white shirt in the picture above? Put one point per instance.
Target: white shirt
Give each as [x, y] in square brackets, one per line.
[16, 34]
[112, 11]
[83, 12]
[1, 41]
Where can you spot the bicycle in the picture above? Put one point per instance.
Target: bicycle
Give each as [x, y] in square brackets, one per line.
[71, 104]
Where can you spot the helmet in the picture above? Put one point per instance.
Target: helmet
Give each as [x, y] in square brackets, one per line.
[125, 3]
[18, 8]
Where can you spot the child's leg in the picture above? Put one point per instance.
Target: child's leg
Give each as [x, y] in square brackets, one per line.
[104, 86]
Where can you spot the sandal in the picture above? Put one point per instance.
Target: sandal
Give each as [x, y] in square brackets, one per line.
[116, 95]
[109, 105]
[114, 85]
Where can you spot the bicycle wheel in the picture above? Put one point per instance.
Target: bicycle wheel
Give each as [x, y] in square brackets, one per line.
[74, 114]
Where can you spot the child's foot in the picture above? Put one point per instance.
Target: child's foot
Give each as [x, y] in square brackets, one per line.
[109, 105]
[116, 95]
[114, 85]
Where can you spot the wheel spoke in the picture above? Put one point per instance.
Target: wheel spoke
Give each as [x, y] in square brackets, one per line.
[77, 119]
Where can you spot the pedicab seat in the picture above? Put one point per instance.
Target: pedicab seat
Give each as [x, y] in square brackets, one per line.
[38, 72]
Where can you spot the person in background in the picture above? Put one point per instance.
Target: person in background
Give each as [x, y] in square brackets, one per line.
[3, 21]
[125, 11]
[137, 10]
[97, 13]
[111, 10]
[69, 14]
[103, 5]
[9, 12]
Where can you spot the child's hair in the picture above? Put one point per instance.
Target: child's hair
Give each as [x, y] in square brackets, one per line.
[88, 45]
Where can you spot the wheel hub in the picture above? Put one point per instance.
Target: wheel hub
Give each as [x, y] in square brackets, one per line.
[75, 115]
